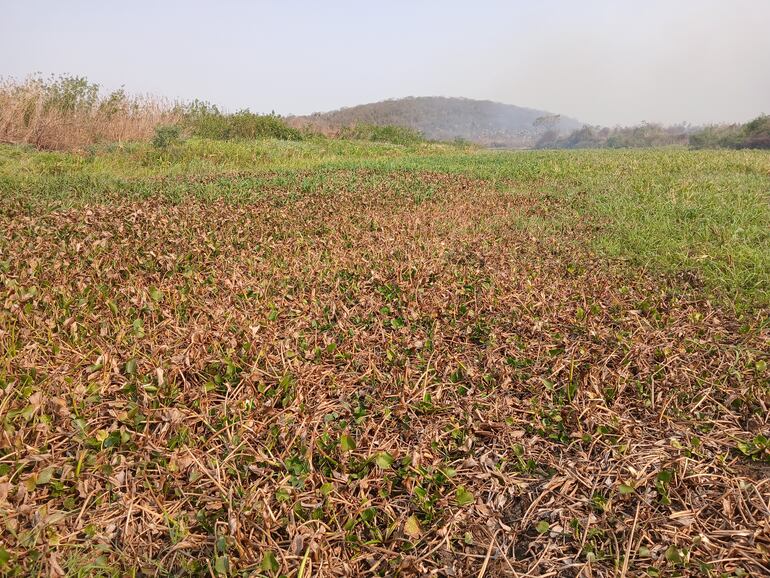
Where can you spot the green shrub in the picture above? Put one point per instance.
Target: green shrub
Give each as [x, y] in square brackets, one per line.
[386, 133]
[247, 125]
[712, 137]
[752, 135]
[68, 94]
[645, 135]
[207, 121]
[165, 136]
[756, 134]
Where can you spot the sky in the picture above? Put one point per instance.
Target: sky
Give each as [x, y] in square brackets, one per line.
[605, 62]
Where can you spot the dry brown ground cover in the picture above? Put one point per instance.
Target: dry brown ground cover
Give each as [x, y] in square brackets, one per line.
[367, 382]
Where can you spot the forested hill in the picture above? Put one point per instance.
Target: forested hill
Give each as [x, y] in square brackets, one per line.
[439, 118]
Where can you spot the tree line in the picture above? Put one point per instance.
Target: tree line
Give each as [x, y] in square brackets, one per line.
[753, 134]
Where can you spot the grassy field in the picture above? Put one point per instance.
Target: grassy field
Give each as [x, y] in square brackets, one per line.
[336, 358]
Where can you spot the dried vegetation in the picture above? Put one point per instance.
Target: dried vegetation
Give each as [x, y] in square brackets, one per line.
[383, 375]
[68, 113]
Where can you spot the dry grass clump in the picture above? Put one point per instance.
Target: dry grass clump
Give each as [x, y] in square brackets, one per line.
[68, 113]
[381, 376]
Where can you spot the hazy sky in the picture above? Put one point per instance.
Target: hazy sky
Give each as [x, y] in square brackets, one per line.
[600, 61]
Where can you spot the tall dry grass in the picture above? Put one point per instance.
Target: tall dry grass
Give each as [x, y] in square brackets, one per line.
[68, 113]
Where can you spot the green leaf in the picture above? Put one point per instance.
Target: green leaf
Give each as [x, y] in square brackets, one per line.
[155, 294]
[347, 443]
[221, 565]
[384, 460]
[45, 476]
[761, 366]
[282, 494]
[412, 527]
[542, 527]
[665, 476]
[112, 440]
[626, 489]
[673, 555]
[112, 306]
[131, 367]
[28, 412]
[368, 515]
[269, 562]
[745, 448]
[463, 496]
[5, 556]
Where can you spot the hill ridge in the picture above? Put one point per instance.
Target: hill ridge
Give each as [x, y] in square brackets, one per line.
[484, 122]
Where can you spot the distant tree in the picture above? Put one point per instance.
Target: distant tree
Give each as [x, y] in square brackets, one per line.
[547, 122]
[753, 134]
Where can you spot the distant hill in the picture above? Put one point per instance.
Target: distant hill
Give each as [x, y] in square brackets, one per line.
[484, 122]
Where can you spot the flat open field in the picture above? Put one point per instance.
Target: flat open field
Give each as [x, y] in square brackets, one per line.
[332, 358]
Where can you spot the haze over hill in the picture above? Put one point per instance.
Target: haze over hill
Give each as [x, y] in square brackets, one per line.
[440, 118]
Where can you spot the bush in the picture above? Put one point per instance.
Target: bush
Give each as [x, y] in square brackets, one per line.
[644, 135]
[756, 134]
[247, 125]
[719, 136]
[68, 94]
[207, 121]
[382, 133]
[166, 135]
[752, 135]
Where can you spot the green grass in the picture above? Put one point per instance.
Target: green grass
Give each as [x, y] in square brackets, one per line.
[704, 213]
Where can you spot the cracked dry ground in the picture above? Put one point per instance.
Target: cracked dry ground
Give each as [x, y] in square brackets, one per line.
[366, 381]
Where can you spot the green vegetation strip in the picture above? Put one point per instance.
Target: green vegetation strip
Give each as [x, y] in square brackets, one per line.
[702, 214]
